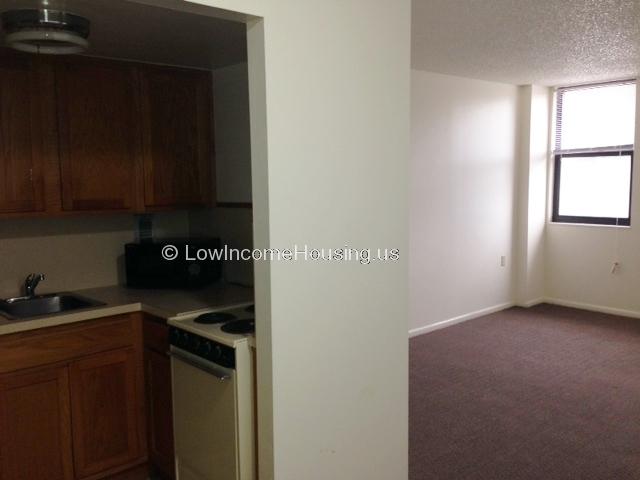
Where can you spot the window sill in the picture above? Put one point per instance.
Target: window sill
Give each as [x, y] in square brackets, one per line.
[596, 225]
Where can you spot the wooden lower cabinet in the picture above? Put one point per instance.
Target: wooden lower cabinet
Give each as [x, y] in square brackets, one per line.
[160, 421]
[159, 398]
[74, 418]
[105, 411]
[35, 426]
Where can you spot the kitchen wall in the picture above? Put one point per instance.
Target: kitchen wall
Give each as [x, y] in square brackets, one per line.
[87, 251]
[579, 260]
[462, 193]
[234, 226]
[73, 252]
[232, 172]
[232, 133]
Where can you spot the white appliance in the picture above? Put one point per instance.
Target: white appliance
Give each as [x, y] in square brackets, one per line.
[213, 395]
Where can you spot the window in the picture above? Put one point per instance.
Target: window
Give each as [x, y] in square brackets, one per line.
[595, 128]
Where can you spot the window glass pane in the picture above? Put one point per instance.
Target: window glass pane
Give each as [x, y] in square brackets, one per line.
[598, 116]
[595, 186]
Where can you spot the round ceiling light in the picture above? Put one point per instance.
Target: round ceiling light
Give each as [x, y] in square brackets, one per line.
[45, 31]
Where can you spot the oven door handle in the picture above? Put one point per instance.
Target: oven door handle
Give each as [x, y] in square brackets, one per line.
[221, 373]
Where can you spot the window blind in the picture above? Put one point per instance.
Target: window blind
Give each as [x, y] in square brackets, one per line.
[587, 123]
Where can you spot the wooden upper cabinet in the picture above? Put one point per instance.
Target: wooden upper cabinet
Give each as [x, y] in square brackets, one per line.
[107, 411]
[98, 134]
[35, 425]
[21, 155]
[81, 134]
[177, 136]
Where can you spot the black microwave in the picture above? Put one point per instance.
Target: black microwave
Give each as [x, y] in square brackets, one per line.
[172, 263]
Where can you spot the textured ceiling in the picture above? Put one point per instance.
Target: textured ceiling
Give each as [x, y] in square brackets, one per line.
[546, 42]
[121, 29]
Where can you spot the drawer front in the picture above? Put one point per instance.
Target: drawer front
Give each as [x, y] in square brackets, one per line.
[63, 343]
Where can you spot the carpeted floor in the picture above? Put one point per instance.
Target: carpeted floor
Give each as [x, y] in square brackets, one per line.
[546, 393]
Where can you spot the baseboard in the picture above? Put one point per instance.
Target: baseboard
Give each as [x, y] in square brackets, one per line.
[496, 308]
[462, 318]
[532, 303]
[593, 308]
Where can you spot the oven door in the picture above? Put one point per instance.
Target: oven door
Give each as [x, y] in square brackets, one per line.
[204, 416]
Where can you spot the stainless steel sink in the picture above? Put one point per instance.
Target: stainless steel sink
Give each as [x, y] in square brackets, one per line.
[26, 307]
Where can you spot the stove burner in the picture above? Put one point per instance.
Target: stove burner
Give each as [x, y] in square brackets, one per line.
[247, 325]
[250, 309]
[214, 317]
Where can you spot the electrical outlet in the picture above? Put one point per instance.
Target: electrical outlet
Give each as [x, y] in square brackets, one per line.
[503, 261]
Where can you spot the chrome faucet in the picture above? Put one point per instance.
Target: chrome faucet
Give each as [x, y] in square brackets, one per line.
[31, 282]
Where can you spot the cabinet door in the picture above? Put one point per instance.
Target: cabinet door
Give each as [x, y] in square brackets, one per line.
[35, 436]
[105, 410]
[158, 393]
[177, 136]
[159, 411]
[99, 136]
[21, 177]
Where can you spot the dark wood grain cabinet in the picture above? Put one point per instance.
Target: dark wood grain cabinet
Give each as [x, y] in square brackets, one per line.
[72, 401]
[159, 397]
[35, 425]
[177, 136]
[98, 134]
[21, 148]
[105, 408]
[87, 135]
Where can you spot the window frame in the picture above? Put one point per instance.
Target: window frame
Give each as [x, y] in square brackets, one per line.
[608, 151]
[557, 218]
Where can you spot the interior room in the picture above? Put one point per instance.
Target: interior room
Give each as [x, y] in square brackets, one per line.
[284, 240]
[523, 204]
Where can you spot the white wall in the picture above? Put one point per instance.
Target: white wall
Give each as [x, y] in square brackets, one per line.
[232, 134]
[337, 98]
[535, 102]
[579, 260]
[329, 95]
[462, 193]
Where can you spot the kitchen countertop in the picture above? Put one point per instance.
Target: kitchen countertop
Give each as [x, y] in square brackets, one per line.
[120, 300]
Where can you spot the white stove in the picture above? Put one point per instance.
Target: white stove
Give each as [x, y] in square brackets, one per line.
[194, 323]
[213, 371]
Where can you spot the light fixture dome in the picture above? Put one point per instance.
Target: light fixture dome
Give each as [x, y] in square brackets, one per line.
[45, 31]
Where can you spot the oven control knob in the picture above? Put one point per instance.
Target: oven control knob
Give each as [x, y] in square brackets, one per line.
[216, 353]
[174, 336]
[184, 340]
[205, 348]
[194, 344]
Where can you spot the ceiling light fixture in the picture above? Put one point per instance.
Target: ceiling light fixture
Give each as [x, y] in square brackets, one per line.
[45, 31]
